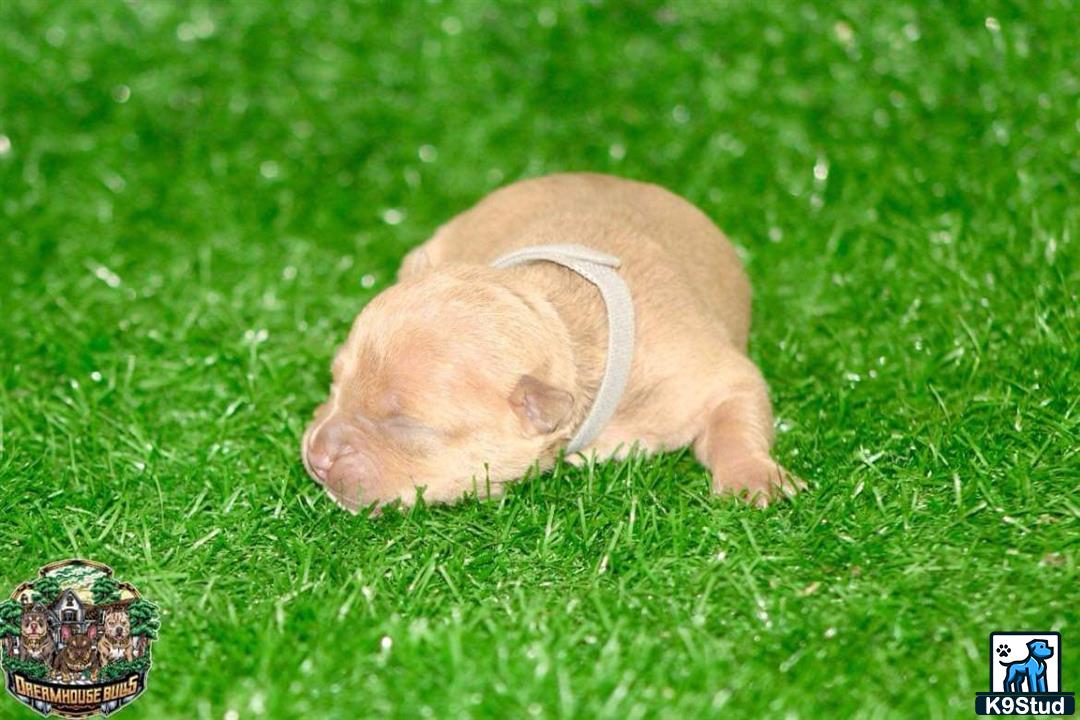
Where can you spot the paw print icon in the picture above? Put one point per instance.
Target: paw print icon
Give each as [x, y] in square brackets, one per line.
[1003, 650]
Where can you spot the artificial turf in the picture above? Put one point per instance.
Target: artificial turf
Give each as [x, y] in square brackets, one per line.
[196, 198]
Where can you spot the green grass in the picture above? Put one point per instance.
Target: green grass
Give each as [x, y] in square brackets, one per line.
[192, 195]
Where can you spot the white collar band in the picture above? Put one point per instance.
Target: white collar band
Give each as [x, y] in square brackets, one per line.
[599, 269]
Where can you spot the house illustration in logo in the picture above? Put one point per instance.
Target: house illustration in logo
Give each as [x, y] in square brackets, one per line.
[68, 608]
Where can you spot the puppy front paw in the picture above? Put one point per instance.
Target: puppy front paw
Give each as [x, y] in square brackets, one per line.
[755, 480]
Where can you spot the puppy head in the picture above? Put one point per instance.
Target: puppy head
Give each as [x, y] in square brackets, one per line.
[34, 623]
[117, 625]
[1040, 649]
[78, 645]
[449, 382]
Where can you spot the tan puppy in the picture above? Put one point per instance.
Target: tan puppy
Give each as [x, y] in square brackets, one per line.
[115, 642]
[462, 376]
[34, 640]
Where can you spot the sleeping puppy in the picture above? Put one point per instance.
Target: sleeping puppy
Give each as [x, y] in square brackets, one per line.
[463, 376]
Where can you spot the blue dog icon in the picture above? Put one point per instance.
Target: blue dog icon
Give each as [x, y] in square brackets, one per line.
[1032, 669]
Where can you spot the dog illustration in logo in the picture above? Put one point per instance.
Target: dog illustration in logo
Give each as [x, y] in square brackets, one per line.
[34, 640]
[115, 642]
[1032, 669]
[78, 655]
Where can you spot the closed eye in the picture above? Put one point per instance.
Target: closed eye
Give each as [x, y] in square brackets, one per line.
[408, 428]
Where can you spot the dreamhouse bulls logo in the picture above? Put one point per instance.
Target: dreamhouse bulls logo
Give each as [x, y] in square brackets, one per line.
[75, 641]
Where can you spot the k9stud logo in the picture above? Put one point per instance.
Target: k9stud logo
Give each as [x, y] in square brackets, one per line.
[1025, 676]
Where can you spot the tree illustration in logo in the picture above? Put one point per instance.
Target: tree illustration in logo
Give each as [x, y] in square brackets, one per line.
[10, 616]
[105, 590]
[46, 589]
[144, 622]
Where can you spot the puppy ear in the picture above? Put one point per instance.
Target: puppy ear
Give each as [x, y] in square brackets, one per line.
[91, 632]
[542, 408]
[65, 632]
[416, 262]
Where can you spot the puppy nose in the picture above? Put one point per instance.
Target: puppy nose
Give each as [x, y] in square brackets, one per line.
[328, 443]
[352, 474]
[320, 462]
